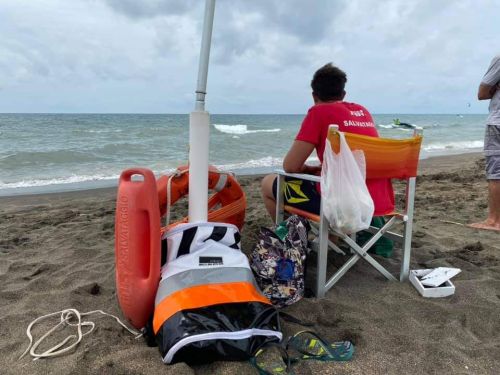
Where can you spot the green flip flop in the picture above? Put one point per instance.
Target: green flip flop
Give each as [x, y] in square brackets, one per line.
[311, 346]
[269, 364]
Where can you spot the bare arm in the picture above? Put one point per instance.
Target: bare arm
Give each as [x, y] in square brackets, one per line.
[296, 157]
[486, 91]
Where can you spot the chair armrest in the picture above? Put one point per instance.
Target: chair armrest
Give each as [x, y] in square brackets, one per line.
[302, 176]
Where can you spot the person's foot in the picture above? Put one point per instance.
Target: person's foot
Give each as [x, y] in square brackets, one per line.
[487, 224]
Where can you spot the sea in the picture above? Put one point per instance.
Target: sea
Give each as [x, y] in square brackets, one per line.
[60, 152]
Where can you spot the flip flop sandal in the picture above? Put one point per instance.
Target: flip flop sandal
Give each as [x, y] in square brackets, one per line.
[311, 346]
[272, 366]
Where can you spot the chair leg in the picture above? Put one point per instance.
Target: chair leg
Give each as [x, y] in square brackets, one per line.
[279, 199]
[331, 245]
[342, 270]
[322, 257]
[352, 237]
[363, 253]
[405, 262]
[408, 229]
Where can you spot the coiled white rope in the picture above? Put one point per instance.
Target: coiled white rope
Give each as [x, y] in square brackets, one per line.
[69, 317]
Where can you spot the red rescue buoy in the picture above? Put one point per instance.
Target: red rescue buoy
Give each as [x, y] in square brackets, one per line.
[137, 245]
[226, 205]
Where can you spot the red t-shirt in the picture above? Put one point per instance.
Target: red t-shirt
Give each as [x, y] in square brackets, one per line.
[351, 118]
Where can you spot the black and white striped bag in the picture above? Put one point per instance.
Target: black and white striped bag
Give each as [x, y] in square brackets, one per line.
[186, 238]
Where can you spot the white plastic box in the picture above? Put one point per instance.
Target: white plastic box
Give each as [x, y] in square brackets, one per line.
[447, 289]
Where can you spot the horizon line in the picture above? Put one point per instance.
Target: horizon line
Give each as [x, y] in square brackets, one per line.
[225, 114]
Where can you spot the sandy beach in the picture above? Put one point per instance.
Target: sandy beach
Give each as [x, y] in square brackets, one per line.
[57, 252]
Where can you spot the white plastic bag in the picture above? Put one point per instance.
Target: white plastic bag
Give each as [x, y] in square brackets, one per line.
[347, 203]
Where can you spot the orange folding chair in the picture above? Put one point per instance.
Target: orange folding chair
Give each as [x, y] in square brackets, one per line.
[385, 158]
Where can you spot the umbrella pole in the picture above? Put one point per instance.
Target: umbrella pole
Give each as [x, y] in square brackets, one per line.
[199, 129]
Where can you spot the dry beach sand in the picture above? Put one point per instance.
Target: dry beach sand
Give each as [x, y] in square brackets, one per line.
[56, 252]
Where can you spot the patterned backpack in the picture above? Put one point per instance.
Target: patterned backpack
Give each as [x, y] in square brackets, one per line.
[279, 265]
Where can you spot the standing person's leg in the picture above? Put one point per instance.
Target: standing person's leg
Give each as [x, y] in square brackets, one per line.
[493, 220]
[492, 153]
[494, 202]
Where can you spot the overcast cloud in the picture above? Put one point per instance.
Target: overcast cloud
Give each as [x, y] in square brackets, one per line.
[401, 56]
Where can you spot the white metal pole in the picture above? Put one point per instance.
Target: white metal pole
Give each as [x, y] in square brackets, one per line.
[199, 129]
[204, 55]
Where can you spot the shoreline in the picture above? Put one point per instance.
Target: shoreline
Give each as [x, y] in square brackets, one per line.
[112, 185]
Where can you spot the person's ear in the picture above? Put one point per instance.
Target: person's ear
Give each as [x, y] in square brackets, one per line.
[315, 98]
[343, 94]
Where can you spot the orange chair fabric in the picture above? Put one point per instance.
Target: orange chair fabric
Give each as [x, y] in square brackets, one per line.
[385, 158]
[306, 214]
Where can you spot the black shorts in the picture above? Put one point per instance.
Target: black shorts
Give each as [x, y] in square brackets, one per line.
[300, 194]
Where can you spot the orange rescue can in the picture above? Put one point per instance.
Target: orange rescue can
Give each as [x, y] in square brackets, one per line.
[137, 244]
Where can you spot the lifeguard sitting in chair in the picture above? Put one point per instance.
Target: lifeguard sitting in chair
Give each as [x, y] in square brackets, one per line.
[329, 108]
[297, 188]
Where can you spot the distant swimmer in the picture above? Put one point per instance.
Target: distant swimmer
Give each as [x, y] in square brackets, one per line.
[397, 122]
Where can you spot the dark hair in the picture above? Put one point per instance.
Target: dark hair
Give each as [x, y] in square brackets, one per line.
[328, 83]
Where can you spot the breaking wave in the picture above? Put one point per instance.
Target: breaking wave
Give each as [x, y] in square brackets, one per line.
[240, 129]
[56, 181]
[461, 145]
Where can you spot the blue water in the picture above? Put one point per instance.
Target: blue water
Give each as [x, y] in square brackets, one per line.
[57, 152]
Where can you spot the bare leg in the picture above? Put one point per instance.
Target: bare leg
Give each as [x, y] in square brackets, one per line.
[268, 196]
[493, 220]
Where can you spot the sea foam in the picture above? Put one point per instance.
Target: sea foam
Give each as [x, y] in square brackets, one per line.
[460, 145]
[241, 129]
[55, 181]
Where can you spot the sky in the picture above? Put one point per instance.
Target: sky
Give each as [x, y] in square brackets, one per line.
[129, 56]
